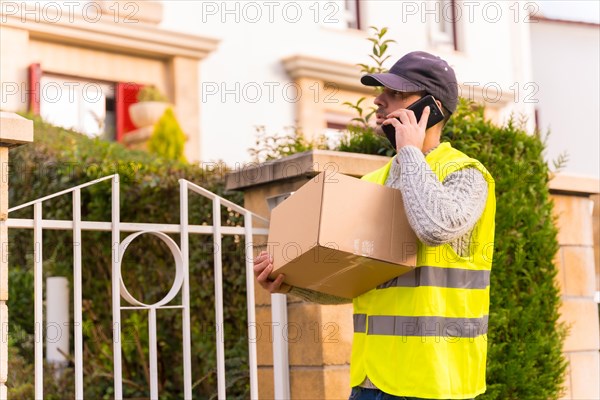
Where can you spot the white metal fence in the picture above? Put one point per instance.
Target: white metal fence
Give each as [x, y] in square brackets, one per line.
[181, 283]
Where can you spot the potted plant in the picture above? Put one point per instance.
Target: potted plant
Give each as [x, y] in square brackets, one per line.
[150, 107]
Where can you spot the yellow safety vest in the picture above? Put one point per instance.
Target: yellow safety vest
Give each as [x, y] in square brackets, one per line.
[424, 334]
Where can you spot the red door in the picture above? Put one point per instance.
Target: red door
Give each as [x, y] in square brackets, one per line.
[125, 95]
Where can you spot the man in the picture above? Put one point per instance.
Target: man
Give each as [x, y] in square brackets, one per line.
[423, 335]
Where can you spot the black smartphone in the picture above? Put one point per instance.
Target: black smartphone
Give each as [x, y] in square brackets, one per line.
[436, 115]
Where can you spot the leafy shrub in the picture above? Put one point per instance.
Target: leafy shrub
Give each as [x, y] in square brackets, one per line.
[274, 146]
[360, 137]
[167, 139]
[60, 159]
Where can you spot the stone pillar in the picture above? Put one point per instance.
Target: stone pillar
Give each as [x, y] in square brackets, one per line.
[596, 222]
[310, 110]
[573, 207]
[185, 77]
[14, 130]
[319, 337]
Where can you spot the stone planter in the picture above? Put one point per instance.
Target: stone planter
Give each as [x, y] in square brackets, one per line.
[147, 113]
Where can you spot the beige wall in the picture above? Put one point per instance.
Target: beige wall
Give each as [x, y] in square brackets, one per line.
[73, 61]
[184, 79]
[99, 64]
[13, 68]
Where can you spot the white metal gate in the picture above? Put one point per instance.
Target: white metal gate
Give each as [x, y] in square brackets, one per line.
[181, 284]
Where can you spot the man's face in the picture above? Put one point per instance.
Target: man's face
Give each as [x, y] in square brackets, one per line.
[391, 100]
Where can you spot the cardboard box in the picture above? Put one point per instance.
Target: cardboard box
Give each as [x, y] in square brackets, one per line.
[341, 235]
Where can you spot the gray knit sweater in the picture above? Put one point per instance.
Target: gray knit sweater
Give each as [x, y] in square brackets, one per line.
[438, 212]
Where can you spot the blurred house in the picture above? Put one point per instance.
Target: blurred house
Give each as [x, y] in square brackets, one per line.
[81, 64]
[565, 67]
[293, 63]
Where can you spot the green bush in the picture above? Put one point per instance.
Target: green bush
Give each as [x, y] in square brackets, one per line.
[167, 139]
[60, 159]
[274, 146]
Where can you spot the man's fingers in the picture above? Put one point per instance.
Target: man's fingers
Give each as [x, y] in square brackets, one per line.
[260, 265]
[262, 256]
[276, 284]
[263, 266]
[392, 121]
[261, 261]
[405, 116]
[264, 275]
[412, 117]
[425, 117]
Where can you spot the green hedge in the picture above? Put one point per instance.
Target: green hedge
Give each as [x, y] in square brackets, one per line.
[60, 159]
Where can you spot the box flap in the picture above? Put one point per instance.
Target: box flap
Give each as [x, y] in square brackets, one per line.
[294, 224]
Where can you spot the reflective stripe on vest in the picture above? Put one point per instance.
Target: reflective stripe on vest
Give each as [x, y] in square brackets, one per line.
[421, 326]
[424, 334]
[441, 277]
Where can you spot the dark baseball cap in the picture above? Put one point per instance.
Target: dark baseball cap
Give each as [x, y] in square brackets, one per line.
[420, 71]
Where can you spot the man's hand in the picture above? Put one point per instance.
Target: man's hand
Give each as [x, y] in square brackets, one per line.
[263, 265]
[409, 132]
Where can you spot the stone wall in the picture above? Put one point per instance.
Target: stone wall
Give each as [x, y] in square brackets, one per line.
[577, 218]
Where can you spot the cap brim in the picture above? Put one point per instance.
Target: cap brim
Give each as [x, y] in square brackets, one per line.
[391, 81]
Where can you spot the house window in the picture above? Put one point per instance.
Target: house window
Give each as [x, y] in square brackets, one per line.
[338, 14]
[84, 106]
[352, 13]
[443, 28]
[337, 125]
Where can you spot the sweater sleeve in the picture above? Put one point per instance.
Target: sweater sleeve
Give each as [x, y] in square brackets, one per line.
[438, 212]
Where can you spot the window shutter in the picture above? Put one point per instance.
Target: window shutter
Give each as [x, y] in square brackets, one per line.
[125, 95]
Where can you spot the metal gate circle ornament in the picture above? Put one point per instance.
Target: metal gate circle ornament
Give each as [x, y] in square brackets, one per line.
[178, 269]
